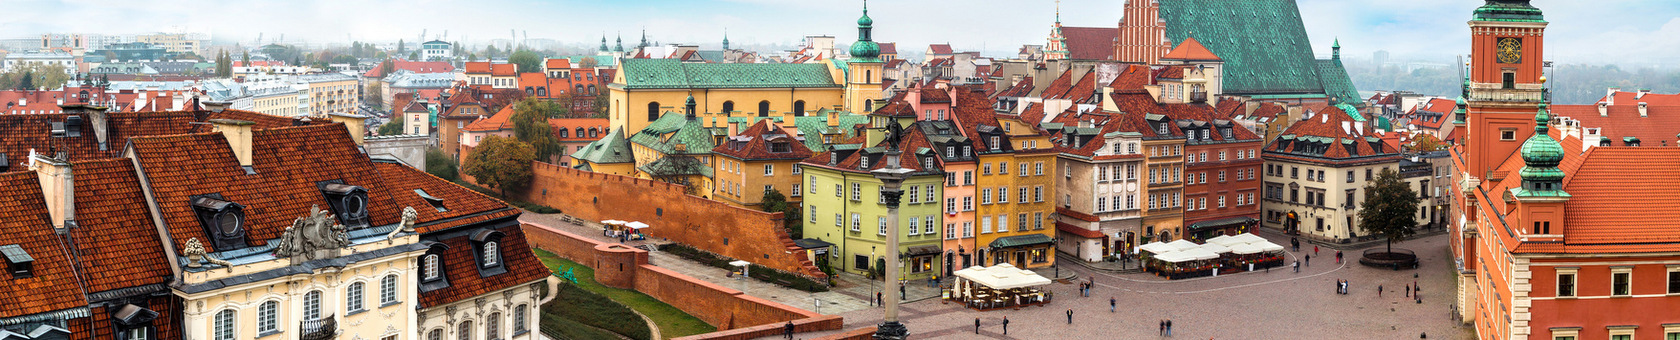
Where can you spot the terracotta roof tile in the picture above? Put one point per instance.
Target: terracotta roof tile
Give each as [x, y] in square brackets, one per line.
[754, 143]
[889, 48]
[557, 63]
[21, 133]
[24, 217]
[496, 122]
[940, 48]
[402, 180]
[1659, 124]
[476, 67]
[1190, 49]
[411, 66]
[504, 70]
[461, 269]
[1090, 43]
[1020, 89]
[118, 243]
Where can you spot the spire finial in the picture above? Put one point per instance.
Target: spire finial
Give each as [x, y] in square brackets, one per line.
[1058, 11]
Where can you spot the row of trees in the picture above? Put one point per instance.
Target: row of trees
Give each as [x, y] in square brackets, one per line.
[32, 76]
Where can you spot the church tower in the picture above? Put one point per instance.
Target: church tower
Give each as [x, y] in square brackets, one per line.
[863, 71]
[1504, 89]
[1056, 46]
[1143, 35]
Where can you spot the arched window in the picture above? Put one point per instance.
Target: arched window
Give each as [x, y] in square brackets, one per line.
[353, 298]
[519, 319]
[430, 267]
[267, 317]
[868, 104]
[491, 256]
[528, 91]
[799, 108]
[867, 75]
[653, 111]
[492, 326]
[763, 108]
[542, 91]
[223, 328]
[578, 89]
[591, 89]
[388, 290]
[728, 106]
[464, 332]
[312, 305]
[436, 334]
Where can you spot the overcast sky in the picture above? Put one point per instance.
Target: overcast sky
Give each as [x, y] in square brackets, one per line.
[1628, 32]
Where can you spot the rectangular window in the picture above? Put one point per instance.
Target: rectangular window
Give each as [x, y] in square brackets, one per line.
[985, 224]
[880, 195]
[1024, 193]
[914, 223]
[1621, 281]
[881, 225]
[968, 203]
[968, 177]
[1038, 194]
[796, 190]
[968, 229]
[1131, 171]
[914, 197]
[769, 169]
[1023, 172]
[986, 196]
[1038, 169]
[929, 193]
[1003, 194]
[1003, 168]
[1003, 223]
[769, 188]
[1674, 280]
[838, 220]
[857, 192]
[856, 220]
[796, 169]
[1221, 201]
[950, 231]
[1038, 221]
[951, 204]
[1102, 204]
[986, 168]
[927, 225]
[1565, 283]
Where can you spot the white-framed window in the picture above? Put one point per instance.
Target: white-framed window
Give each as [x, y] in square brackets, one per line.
[312, 305]
[1621, 281]
[880, 195]
[813, 214]
[797, 170]
[837, 189]
[1673, 279]
[1038, 193]
[968, 203]
[927, 224]
[985, 224]
[464, 331]
[915, 196]
[1023, 172]
[1621, 332]
[432, 271]
[1038, 169]
[769, 169]
[769, 187]
[857, 191]
[929, 193]
[914, 225]
[881, 225]
[223, 326]
[950, 231]
[491, 257]
[1025, 195]
[388, 290]
[353, 298]
[1038, 221]
[986, 196]
[268, 317]
[1003, 223]
[797, 192]
[985, 168]
[1566, 282]
[838, 220]
[492, 326]
[1003, 194]
[520, 319]
[968, 229]
[968, 177]
[950, 204]
[1102, 204]
[1003, 168]
[856, 220]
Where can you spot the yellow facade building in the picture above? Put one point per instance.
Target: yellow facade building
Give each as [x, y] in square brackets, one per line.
[765, 157]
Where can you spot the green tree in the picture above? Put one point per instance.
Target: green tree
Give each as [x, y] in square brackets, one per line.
[589, 62]
[490, 52]
[391, 128]
[27, 82]
[375, 95]
[401, 48]
[441, 165]
[500, 163]
[245, 58]
[774, 201]
[530, 125]
[1389, 208]
[388, 67]
[528, 61]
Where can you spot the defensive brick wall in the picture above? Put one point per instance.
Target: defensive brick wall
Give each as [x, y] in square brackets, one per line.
[735, 314]
[727, 230]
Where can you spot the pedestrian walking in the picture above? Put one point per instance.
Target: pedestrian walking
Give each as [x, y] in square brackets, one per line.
[878, 299]
[976, 325]
[787, 330]
[1297, 265]
[1315, 249]
[1338, 257]
[1379, 290]
[1111, 304]
[1006, 325]
[1309, 260]
[1070, 316]
[1163, 329]
[1408, 290]
[1169, 327]
[1296, 243]
[901, 295]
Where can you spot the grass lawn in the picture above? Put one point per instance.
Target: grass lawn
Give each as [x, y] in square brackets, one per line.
[672, 322]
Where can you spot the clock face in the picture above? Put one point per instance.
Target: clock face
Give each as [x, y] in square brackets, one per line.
[1510, 50]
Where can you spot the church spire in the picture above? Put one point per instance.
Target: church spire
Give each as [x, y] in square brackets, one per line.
[644, 38]
[1541, 155]
[603, 41]
[865, 49]
[620, 42]
[1336, 49]
[726, 39]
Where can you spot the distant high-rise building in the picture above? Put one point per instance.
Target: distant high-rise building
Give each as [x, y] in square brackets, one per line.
[1379, 57]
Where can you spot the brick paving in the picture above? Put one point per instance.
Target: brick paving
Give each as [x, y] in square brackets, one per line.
[1259, 305]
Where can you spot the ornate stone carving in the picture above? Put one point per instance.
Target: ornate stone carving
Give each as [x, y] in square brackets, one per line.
[316, 236]
[197, 255]
[409, 215]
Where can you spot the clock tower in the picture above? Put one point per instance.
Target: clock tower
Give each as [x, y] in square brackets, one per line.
[1505, 81]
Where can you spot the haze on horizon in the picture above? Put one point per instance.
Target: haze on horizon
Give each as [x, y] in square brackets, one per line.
[1631, 33]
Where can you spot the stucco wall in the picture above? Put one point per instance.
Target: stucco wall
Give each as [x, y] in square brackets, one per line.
[410, 149]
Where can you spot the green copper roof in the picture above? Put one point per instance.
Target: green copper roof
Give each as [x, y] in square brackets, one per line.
[1508, 10]
[813, 127]
[1263, 42]
[1336, 83]
[612, 148]
[675, 74]
[1541, 155]
[672, 129]
[1384, 124]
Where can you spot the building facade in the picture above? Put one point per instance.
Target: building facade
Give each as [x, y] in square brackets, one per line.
[1332, 153]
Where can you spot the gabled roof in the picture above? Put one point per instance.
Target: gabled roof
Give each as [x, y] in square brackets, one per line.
[940, 48]
[612, 148]
[1650, 98]
[1263, 42]
[476, 67]
[24, 132]
[910, 146]
[23, 216]
[673, 129]
[888, 48]
[462, 206]
[119, 246]
[755, 144]
[1020, 89]
[411, 66]
[496, 122]
[674, 74]
[1090, 43]
[1657, 125]
[557, 63]
[1190, 50]
[1330, 135]
[504, 70]
[573, 124]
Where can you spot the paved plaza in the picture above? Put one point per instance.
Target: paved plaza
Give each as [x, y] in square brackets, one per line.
[1280, 304]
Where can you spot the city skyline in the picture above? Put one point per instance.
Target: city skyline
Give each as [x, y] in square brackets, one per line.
[1604, 32]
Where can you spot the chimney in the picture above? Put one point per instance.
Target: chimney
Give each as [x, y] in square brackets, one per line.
[1611, 97]
[96, 118]
[1642, 93]
[357, 124]
[1642, 109]
[58, 187]
[1603, 109]
[238, 134]
[833, 118]
[215, 106]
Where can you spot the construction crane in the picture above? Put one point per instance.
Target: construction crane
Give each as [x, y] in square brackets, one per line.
[422, 36]
[445, 35]
[525, 39]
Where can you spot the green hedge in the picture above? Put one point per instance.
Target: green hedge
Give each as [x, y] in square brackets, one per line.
[586, 307]
[761, 273]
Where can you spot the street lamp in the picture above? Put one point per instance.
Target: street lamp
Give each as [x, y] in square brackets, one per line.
[892, 178]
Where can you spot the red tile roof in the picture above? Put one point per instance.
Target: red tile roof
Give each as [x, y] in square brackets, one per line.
[21, 133]
[940, 48]
[1132, 79]
[496, 122]
[504, 70]
[1652, 98]
[754, 144]
[889, 48]
[1059, 86]
[411, 66]
[461, 269]
[1327, 124]
[1020, 89]
[24, 217]
[532, 80]
[1091, 43]
[573, 124]
[476, 67]
[1660, 123]
[1190, 50]
[557, 63]
[118, 243]
[464, 206]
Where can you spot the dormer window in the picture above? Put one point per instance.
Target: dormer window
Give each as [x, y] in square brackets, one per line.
[863, 161]
[432, 275]
[18, 261]
[487, 246]
[779, 147]
[349, 201]
[224, 221]
[436, 203]
[994, 142]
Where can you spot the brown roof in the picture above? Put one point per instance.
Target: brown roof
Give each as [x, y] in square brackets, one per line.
[889, 48]
[940, 48]
[460, 268]
[1091, 43]
[21, 133]
[1339, 145]
[754, 143]
[23, 216]
[1020, 89]
[412, 66]
[496, 122]
[118, 243]
[463, 206]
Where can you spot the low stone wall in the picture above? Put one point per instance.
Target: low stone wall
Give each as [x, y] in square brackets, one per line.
[865, 333]
[735, 314]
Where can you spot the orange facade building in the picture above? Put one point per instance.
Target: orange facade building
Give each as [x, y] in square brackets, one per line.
[1554, 240]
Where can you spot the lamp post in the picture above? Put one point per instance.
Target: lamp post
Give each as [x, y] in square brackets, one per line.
[892, 178]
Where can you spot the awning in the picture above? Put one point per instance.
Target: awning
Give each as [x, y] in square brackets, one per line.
[1076, 230]
[1157, 248]
[930, 249]
[1223, 222]
[1002, 276]
[811, 243]
[1021, 241]
[636, 225]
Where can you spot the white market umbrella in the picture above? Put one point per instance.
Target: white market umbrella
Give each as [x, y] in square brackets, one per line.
[1268, 246]
[1215, 248]
[1249, 238]
[636, 225]
[1199, 254]
[1157, 248]
[1245, 249]
[1183, 245]
[1224, 240]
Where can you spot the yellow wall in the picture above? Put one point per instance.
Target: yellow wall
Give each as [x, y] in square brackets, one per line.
[863, 84]
[1168, 218]
[629, 107]
[245, 300]
[749, 180]
[1040, 212]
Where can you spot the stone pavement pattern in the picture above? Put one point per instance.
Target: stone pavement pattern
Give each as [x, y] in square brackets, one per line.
[1260, 305]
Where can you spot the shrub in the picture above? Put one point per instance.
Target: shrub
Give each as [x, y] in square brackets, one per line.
[557, 327]
[597, 310]
[755, 271]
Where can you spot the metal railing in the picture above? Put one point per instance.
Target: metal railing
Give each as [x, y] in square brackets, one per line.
[318, 329]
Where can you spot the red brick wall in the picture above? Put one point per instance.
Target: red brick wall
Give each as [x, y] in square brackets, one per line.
[567, 245]
[740, 233]
[615, 265]
[865, 333]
